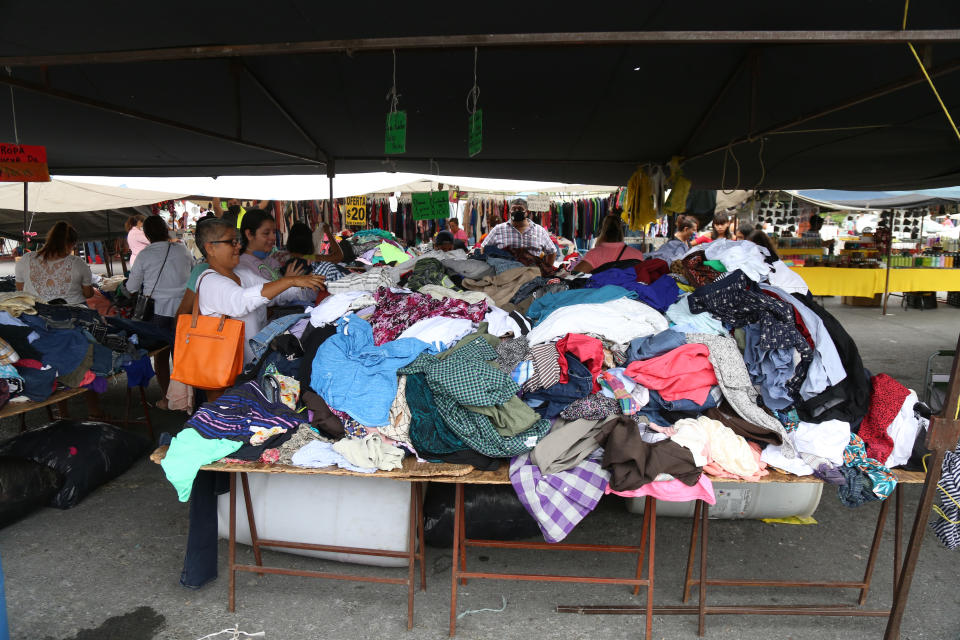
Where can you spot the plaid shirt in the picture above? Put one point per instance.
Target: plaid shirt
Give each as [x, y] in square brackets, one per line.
[7, 354]
[559, 501]
[464, 379]
[535, 239]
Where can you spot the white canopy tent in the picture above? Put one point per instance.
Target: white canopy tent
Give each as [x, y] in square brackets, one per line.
[316, 187]
[82, 195]
[70, 196]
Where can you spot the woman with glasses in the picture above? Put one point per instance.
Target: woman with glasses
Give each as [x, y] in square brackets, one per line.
[243, 294]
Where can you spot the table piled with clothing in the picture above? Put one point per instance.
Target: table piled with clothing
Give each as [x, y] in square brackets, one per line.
[644, 378]
[45, 348]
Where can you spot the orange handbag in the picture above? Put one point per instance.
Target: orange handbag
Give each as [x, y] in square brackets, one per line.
[208, 350]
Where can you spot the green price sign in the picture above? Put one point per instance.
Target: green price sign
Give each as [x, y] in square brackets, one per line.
[395, 139]
[475, 136]
[431, 206]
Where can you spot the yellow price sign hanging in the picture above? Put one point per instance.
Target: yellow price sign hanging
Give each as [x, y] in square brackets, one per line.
[356, 211]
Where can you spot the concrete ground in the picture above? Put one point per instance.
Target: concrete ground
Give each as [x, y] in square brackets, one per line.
[108, 569]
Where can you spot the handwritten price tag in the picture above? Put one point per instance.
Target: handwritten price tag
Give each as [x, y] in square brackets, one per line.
[23, 163]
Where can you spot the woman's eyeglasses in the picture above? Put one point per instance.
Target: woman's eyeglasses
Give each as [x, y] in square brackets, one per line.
[234, 242]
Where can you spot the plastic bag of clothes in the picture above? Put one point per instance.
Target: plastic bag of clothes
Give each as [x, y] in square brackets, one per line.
[493, 512]
[24, 486]
[85, 454]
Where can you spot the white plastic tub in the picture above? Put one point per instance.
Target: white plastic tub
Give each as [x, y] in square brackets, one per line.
[739, 500]
[345, 511]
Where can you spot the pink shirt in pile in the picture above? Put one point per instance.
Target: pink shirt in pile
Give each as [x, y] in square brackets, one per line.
[608, 252]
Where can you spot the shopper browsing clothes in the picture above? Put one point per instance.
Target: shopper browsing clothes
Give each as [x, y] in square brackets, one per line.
[300, 245]
[524, 239]
[721, 229]
[258, 238]
[136, 239]
[53, 273]
[678, 246]
[610, 247]
[244, 294]
[454, 226]
[161, 272]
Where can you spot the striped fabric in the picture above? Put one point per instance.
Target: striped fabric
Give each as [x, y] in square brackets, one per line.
[947, 524]
[241, 412]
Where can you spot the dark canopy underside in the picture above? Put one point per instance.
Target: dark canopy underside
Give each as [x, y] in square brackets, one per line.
[586, 114]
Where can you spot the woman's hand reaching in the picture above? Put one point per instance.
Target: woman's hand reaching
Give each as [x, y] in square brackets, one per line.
[308, 281]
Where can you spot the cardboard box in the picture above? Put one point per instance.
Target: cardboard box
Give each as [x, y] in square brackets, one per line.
[857, 301]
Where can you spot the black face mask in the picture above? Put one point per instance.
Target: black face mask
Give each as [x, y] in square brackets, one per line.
[234, 209]
[518, 215]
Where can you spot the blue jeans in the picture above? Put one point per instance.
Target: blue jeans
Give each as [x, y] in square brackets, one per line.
[200, 560]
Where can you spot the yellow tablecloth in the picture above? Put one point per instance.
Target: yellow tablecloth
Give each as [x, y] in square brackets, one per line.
[830, 281]
[924, 280]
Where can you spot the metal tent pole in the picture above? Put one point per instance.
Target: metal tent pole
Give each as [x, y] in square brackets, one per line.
[942, 436]
[26, 190]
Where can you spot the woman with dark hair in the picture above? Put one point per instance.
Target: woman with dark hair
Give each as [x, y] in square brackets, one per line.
[744, 229]
[300, 244]
[780, 274]
[136, 240]
[610, 247]
[720, 229]
[258, 238]
[161, 272]
[226, 289]
[678, 246]
[53, 272]
[758, 237]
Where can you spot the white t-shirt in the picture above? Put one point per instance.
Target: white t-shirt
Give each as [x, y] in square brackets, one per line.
[785, 278]
[51, 279]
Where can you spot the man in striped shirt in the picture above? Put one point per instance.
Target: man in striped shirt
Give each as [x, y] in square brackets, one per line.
[522, 233]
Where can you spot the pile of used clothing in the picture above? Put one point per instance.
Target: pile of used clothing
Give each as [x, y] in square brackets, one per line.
[47, 347]
[642, 378]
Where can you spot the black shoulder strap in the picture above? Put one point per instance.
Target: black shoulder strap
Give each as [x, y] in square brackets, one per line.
[159, 273]
[621, 252]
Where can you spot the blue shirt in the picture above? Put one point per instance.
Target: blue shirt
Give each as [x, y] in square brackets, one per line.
[544, 306]
[357, 377]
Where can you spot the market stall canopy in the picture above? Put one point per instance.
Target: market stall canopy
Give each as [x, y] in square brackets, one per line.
[867, 200]
[313, 187]
[90, 225]
[71, 196]
[812, 94]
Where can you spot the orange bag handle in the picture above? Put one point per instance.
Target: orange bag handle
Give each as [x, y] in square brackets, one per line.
[196, 309]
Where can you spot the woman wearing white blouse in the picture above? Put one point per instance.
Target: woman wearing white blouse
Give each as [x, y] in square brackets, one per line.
[53, 272]
[241, 294]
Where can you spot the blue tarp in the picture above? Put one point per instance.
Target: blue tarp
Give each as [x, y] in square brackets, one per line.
[880, 199]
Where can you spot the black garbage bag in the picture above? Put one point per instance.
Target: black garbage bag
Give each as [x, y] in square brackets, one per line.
[24, 486]
[493, 512]
[85, 454]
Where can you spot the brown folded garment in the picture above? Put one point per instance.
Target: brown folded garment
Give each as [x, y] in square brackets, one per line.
[725, 414]
[634, 463]
[324, 420]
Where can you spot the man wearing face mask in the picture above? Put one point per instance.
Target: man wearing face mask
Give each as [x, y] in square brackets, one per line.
[521, 235]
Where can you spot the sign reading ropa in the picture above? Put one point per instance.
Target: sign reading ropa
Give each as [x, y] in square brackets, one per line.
[23, 163]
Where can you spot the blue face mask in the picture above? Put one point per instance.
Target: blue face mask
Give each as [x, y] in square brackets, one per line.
[260, 254]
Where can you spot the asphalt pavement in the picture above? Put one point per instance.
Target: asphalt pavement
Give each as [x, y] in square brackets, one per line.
[108, 569]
